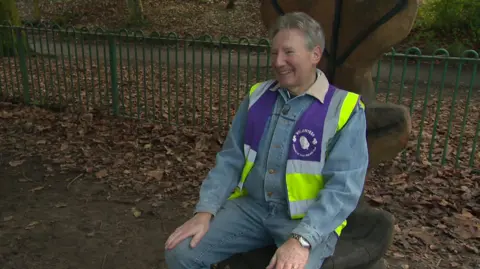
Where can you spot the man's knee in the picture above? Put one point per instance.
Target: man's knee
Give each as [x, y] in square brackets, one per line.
[183, 256]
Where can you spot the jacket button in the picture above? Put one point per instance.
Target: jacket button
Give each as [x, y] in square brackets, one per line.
[271, 171]
[269, 194]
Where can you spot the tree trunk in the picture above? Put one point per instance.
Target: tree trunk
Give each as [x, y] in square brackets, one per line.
[8, 15]
[135, 10]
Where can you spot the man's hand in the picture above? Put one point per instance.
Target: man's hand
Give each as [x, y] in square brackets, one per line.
[290, 255]
[197, 227]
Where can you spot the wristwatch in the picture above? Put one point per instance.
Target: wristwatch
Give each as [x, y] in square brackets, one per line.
[303, 242]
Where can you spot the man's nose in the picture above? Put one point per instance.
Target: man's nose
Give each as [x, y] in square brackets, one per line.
[278, 60]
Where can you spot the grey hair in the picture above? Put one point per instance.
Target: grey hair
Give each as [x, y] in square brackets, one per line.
[313, 31]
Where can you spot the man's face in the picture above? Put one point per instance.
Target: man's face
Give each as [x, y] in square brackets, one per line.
[292, 62]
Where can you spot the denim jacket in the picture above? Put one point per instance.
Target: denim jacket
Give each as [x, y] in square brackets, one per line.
[344, 170]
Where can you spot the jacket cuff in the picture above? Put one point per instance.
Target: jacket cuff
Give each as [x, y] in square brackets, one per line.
[309, 233]
[204, 208]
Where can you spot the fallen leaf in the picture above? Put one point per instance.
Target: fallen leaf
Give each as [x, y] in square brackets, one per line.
[37, 188]
[466, 214]
[32, 225]
[24, 180]
[472, 249]
[444, 202]
[101, 174]
[422, 235]
[137, 213]
[16, 163]
[437, 180]
[60, 205]
[463, 232]
[377, 199]
[64, 146]
[119, 162]
[5, 115]
[157, 174]
[398, 255]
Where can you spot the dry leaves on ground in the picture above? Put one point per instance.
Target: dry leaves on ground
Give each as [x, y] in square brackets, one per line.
[183, 17]
[144, 156]
[437, 210]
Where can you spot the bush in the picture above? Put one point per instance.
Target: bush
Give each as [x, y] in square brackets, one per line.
[454, 18]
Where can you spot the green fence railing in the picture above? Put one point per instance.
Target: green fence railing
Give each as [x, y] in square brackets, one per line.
[199, 81]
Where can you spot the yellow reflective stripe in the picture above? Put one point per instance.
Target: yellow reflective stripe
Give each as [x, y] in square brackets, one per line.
[239, 190]
[303, 186]
[249, 161]
[299, 209]
[238, 193]
[298, 216]
[254, 87]
[362, 104]
[246, 170]
[347, 108]
[340, 228]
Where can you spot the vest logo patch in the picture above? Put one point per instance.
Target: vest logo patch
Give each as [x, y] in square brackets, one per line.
[304, 142]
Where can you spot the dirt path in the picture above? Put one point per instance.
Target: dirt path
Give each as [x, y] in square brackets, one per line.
[62, 221]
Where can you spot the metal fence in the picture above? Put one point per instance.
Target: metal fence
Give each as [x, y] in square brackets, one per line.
[199, 81]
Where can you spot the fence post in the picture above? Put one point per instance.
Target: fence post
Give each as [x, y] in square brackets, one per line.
[22, 50]
[113, 72]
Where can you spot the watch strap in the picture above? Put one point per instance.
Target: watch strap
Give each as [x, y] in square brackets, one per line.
[303, 242]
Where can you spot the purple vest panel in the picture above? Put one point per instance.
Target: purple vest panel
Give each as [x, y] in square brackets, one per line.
[307, 137]
[308, 131]
[258, 116]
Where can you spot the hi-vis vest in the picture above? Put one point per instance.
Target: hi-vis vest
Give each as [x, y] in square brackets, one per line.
[305, 161]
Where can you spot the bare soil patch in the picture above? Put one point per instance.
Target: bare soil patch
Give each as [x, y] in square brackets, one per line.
[57, 219]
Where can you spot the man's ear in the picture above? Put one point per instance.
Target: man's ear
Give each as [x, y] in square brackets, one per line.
[316, 55]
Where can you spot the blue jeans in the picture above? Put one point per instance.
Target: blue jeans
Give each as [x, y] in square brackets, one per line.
[242, 225]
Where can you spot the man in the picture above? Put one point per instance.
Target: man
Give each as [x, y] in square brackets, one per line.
[295, 159]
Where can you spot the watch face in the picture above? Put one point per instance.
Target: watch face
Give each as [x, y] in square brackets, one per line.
[304, 242]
